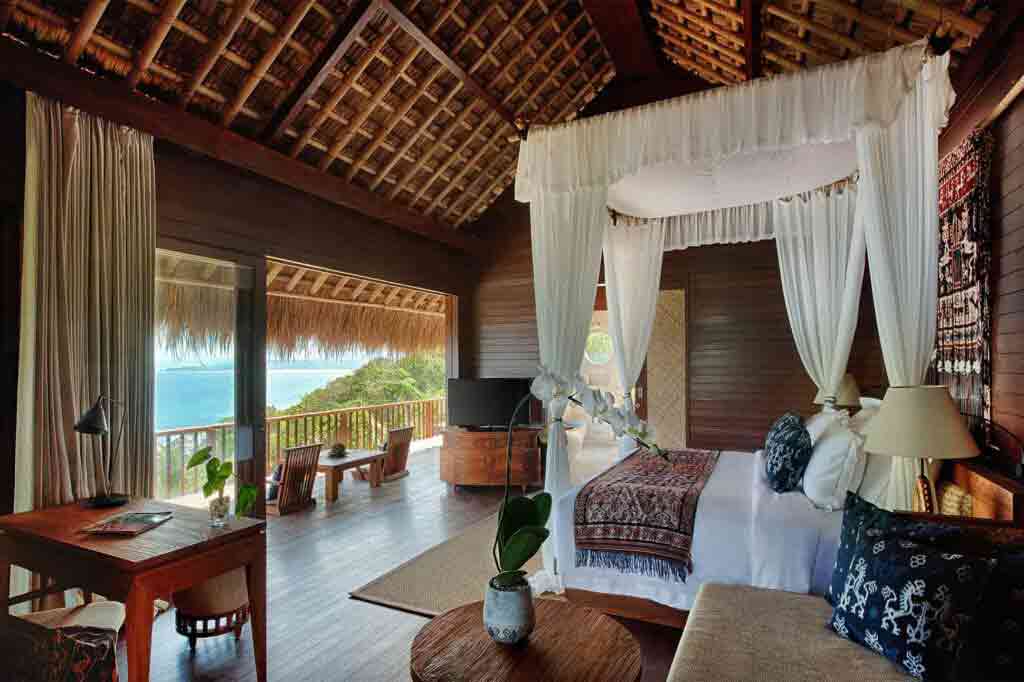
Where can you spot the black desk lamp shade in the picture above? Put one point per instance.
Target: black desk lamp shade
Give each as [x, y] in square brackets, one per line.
[94, 423]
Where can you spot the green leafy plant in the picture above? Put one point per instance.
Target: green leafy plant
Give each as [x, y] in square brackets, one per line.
[218, 472]
[521, 524]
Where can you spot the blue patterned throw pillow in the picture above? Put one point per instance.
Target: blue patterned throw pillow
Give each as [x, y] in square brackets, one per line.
[914, 604]
[859, 516]
[787, 450]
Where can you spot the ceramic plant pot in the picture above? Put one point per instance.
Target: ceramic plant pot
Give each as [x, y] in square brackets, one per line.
[219, 507]
[508, 612]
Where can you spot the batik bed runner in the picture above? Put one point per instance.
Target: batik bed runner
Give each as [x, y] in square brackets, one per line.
[638, 516]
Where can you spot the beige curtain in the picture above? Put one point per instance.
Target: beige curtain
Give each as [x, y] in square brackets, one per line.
[95, 210]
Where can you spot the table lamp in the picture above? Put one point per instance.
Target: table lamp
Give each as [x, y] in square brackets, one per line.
[920, 422]
[94, 423]
[847, 396]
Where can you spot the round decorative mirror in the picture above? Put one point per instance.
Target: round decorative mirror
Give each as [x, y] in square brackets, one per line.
[599, 347]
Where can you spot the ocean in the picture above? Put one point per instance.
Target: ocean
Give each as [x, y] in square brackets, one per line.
[197, 397]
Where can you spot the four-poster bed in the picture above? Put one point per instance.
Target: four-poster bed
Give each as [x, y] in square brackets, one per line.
[839, 166]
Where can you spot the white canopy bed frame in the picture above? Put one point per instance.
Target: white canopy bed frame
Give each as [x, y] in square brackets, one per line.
[838, 164]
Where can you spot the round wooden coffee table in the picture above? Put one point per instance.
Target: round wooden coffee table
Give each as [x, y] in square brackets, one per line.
[568, 643]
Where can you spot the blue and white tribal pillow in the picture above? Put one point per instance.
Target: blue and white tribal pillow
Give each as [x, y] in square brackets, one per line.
[787, 450]
[914, 604]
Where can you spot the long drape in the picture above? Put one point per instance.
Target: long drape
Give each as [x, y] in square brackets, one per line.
[567, 231]
[899, 200]
[632, 271]
[95, 208]
[820, 245]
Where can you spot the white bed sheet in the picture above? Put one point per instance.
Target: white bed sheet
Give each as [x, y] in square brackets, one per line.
[744, 534]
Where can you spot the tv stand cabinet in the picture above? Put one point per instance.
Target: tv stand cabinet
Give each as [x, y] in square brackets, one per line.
[478, 457]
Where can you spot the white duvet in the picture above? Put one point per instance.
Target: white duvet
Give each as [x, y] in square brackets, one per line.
[744, 534]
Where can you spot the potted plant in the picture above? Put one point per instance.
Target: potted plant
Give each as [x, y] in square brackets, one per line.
[218, 473]
[508, 602]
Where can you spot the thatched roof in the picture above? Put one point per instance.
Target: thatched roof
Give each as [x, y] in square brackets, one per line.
[307, 309]
[415, 100]
[711, 38]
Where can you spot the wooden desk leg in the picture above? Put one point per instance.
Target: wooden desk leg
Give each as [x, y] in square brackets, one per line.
[256, 579]
[332, 483]
[376, 473]
[139, 628]
[5, 585]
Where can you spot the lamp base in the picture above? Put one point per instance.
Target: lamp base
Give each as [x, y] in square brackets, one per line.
[105, 501]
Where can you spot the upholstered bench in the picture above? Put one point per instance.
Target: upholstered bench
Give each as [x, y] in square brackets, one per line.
[736, 632]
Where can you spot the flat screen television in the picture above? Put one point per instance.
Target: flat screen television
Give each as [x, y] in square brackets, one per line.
[486, 402]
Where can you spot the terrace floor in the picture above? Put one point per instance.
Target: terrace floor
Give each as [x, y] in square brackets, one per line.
[315, 632]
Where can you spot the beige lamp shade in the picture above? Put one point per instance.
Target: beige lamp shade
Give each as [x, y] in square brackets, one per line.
[920, 422]
[848, 396]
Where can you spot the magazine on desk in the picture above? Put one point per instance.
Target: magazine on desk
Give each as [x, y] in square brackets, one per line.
[130, 523]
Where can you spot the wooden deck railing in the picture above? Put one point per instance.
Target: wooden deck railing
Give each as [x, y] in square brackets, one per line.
[358, 427]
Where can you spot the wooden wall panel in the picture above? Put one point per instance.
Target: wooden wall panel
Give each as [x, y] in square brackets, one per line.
[1008, 270]
[744, 370]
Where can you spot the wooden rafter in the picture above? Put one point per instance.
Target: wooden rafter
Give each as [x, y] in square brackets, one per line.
[357, 292]
[753, 35]
[427, 42]
[318, 283]
[736, 17]
[216, 49]
[795, 43]
[941, 14]
[703, 71]
[84, 30]
[256, 75]
[353, 303]
[704, 55]
[328, 107]
[155, 39]
[273, 271]
[440, 196]
[295, 279]
[697, 20]
[345, 136]
[845, 9]
[399, 113]
[344, 37]
[786, 63]
[805, 24]
[681, 28]
[339, 286]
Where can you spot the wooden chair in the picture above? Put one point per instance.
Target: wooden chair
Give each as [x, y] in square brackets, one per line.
[397, 460]
[295, 490]
[216, 607]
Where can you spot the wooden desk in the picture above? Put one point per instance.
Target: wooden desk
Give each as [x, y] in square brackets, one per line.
[178, 554]
[334, 468]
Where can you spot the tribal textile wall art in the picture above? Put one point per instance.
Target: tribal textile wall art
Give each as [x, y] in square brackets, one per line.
[964, 327]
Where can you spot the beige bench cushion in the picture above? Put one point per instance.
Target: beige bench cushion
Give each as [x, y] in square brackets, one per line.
[736, 632]
[106, 615]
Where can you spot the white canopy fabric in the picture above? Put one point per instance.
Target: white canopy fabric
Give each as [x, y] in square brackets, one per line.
[712, 163]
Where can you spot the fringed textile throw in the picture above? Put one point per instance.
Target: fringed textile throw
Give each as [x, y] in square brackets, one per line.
[638, 517]
[964, 331]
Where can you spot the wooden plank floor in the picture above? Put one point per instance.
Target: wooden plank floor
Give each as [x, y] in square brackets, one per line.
[315, 632]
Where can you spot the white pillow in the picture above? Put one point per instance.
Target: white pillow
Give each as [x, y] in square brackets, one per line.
[875, 486]
[819, 423]
[837, 465]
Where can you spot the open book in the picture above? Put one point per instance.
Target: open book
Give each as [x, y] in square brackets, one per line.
[130, 523]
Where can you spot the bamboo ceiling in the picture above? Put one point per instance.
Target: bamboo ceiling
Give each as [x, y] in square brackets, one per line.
[414, 100]
[712, 38]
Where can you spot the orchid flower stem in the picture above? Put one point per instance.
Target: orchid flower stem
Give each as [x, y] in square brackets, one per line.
[650, 446]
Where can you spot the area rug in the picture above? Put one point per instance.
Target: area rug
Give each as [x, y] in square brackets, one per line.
[445, 576]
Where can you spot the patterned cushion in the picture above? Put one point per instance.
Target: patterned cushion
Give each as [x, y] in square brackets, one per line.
[787, 450]
[912, 603]
[859, 516]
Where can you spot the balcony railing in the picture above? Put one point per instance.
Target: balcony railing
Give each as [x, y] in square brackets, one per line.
[358, 427]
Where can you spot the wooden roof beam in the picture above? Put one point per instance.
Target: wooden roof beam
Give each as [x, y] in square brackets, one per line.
[845, 9]
[216, 49]
[339, 286]
[327, 109]
[426, 82]
[438, 53]
[318, 283]
[939, 13]
[357, 292]
[728, 68]
[786, 63]
[268, 58]
[726, 11]
[273, 271]
[678, 26]
[439, 197]
[800, 46]
[155, 39]
[295, 279]
[805, 24]
[753, 36]
[702, 70]
[84, 30]
[697, 20]
[346, 33]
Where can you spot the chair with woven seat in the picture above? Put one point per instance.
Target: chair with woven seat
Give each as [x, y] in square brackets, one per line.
[215, 607]
[62, 644]
[298, 474]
